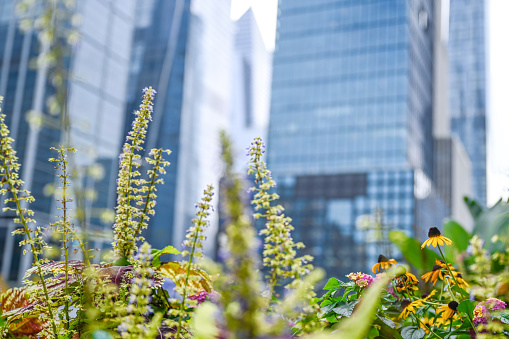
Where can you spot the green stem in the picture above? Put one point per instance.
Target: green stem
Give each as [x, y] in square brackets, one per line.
[65, 231]
[186, 281]
[428, 328]
[151, 187]
[34, 250]
[450, 272]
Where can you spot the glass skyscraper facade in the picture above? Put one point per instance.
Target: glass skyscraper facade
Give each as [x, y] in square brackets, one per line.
[350, 127]
[98, 65]
[467, 90]
[183, 49]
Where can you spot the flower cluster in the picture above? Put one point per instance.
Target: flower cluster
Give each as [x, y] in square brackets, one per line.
[279, 251]
[140, 296]
[361, 279]
[131, 218]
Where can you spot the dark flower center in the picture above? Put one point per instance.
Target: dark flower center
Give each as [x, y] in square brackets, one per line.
[453, 305]
[382, 258]
[405, 303]
[424, 295]
[436, 267]
[459, 276]
[434, 232]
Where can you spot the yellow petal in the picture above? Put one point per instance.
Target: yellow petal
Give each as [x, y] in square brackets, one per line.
[447, 240]
[440, 241]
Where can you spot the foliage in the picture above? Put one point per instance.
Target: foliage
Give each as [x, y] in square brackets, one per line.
[463, 291]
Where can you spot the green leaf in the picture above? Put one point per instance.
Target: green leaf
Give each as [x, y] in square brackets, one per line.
[345, 309]
[461, 291]
[460, 239]
[373, 333]
[412, 332]
[466, 306]
[121, 262]
[422, 259]
[332, 284]
[473, 207]
[156, 262]
[387, 322]
[504, 317]
[387, 328]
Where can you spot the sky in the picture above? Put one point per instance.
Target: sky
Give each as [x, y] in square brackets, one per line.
[497, 130]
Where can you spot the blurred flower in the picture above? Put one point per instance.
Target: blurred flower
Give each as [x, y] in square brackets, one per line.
[433, 275]
[383, 263]
[427, 324]
[495, 304]
[480, 315]
[408, 307]
[447, 312]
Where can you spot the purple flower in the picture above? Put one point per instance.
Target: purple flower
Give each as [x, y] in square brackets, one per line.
[495, 304]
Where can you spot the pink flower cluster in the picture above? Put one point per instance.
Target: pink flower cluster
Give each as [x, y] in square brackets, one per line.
[495, 304]
[481, 313]
[362, 280]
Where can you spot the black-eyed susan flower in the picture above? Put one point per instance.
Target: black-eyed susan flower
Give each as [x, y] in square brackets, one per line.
[433, 275]
[446, 312]
[459, 278]
[436, 238]
[383, 264]
[407, 282]
[409, 307]
[427, 324]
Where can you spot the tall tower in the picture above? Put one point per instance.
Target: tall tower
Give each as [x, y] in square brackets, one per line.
[252, 74]
[183, 49]
[351, 124]
[98, 65]
[467, 78]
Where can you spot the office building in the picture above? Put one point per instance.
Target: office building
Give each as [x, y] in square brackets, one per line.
[183, 49]
[251, 78]
[98, 67]
[351, 125]
[467, 91]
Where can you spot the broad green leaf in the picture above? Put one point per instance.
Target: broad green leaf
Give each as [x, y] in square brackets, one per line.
[467, 307]
[122, 262]
[459, 236]
[412, 332]
[332, 284]
[422, 259]
[345, 309]
[473, 207]
[373, 333]
[492, 221]
[156, 262]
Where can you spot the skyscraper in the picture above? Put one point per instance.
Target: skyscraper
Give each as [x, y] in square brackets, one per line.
[183, 49]
[467, 76]
[99, 67]
[351, 125]
[252, 74]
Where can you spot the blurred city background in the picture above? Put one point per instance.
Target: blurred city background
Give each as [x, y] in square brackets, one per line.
[377, 114]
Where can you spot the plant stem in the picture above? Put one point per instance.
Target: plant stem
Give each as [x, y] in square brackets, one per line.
[65, 232]
[450, 272]
[428, 328]
[186, 281]
[34, 250]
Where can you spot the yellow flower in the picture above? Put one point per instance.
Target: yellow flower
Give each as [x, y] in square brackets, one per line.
[459, 278]
[407, 282]
[409, 307]
[427, 324]
[448, 311]
[433, 276]
[383, 264]
[436, 238]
